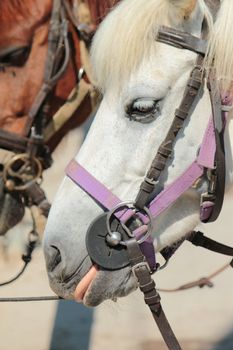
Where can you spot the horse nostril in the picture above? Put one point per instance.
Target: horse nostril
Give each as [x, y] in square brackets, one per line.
[55, 258]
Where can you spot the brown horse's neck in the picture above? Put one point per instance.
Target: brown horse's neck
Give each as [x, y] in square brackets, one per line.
[99, 9]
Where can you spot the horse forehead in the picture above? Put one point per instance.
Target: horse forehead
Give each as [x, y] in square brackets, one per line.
[17, 37]
[157, 72]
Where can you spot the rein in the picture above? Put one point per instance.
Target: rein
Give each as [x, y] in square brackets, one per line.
[122, 235]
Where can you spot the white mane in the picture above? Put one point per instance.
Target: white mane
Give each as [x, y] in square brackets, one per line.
[127, 36]
[221, 46]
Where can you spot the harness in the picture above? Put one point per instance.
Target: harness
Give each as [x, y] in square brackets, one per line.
[122, 235]
[59, 54]
[26, 157]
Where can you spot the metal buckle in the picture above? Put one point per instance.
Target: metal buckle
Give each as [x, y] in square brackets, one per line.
[28, 172]
[129, 206]
[207, 197]
[151, 181]
[141, 264]
[226, 108]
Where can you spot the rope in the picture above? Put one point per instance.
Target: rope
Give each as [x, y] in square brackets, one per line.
[16, 277]
[25, 299]
[202, 282]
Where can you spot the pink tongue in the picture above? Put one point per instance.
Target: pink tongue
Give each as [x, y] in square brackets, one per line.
[85, 283]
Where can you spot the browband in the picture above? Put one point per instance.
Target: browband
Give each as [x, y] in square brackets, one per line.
[181, 40]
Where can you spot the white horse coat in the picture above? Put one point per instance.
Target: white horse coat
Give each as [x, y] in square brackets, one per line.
[133, 71]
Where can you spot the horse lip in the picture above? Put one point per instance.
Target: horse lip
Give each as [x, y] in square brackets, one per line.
[75, 273]
[91, 299]
[85, 284]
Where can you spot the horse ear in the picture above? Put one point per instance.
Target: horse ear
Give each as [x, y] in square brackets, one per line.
[187, 6]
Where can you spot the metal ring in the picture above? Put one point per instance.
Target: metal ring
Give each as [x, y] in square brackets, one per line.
[9, 173]
[129, 205]
[111, 212]
[81, 73]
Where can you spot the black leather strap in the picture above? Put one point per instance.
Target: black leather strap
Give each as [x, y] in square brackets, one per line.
[190, 98]
[13, 142]
[152, 298]
[181, 40]
[218, 192]
[169, 251]
[200, 240]
[55, 64]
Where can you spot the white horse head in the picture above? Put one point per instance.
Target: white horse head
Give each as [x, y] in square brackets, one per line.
[138, 76]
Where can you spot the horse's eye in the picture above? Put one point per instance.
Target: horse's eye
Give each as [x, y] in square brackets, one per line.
[143, 110]
[16, 57]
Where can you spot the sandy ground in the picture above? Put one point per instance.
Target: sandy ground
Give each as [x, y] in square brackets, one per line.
[201, 318]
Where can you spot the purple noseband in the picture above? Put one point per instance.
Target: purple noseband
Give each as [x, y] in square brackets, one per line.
[102, 195]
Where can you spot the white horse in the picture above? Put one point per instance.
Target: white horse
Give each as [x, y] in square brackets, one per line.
[137, 73]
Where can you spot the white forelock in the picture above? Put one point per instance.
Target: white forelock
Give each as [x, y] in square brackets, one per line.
[127, 37]
[221, 46]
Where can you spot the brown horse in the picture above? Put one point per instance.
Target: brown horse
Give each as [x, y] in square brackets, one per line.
[25, 28]
[23, 46]
[100, 10]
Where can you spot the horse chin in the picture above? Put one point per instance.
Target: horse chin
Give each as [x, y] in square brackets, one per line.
[63, 290]
[110, 285]
[107, 285]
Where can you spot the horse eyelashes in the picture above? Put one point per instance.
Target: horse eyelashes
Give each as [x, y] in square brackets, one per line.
[16, 57]
[143, 110]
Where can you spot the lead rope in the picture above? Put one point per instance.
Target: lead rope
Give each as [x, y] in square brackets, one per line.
[24, 299]
[202, 282]
[141, 271]
[152, 298]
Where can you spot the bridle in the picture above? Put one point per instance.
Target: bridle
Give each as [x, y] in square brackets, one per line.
[29, 154]
[59, 54]
[127, 225]
[122, 235]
